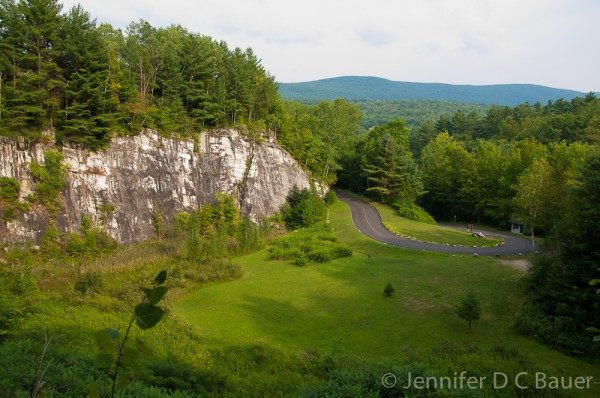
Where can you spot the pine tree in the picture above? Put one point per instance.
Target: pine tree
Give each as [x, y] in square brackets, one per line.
[85, 116]
[40, 84]
[469, 308]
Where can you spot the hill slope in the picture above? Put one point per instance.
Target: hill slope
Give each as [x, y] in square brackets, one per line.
[374, 88]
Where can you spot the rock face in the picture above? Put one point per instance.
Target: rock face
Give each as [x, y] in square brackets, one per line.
[123, 187]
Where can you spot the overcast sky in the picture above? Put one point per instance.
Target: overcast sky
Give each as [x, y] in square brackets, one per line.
[554, 43]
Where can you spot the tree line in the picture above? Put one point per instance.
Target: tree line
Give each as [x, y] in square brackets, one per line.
[88, 82]
[539, 163]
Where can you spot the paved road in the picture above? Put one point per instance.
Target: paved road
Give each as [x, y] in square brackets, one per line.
[368, 221]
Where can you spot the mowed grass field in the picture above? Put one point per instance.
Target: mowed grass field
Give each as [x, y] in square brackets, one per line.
[341, 303]
[428, 232]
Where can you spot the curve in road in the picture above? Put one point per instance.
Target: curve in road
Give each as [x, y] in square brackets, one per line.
[368, 221]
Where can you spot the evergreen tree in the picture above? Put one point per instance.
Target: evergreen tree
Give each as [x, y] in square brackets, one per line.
[86, 113]
[303, 208]
[469, 308]
[40, 83]
[387, 170]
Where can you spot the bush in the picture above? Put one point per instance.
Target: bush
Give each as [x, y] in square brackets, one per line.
[300, 261]
[93, 242]
[249, 236]
[9, 214]
[317, 244]
[9, 189]
[90, 281]
[23, 206]
[414, 212]
[50, 244]
[303, 209]
[330, 197]
[388, 291]
[320, 255]
[180, 377]
[50, 179]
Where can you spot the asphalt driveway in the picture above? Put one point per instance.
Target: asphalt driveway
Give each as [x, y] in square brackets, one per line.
[368, 221]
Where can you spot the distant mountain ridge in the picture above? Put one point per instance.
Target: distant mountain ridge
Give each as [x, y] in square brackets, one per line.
[376, 88]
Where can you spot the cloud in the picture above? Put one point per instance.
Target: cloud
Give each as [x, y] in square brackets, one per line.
[373, 36]
[474, 44]
[550, 42]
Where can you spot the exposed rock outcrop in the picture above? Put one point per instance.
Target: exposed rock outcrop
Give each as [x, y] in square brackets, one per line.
[120, 188]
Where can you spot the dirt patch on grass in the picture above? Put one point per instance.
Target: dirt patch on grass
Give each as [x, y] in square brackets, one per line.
[521, 265]
[420, 304]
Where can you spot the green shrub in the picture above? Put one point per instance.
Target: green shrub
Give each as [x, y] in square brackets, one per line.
[9, 214]
[92, 241]
[22, 281]
[50, 178]
[9, 189]
[106, 208]
[179, 377]
[23, 206]
[300, 261]
[320, 256]
[317, 244]
[50, 244]
[303, 209]
[249, 236]
[330, 197]
[339, 251]
[20, 256]
[414, 212]
[18, 293]
[284, 253]
[388, 291]
[90, 281]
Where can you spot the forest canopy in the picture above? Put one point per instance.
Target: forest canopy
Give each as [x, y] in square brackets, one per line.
[62, 71]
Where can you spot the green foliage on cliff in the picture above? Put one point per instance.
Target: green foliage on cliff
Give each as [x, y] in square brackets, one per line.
[9, 199]
[50, 179]
[9, 189]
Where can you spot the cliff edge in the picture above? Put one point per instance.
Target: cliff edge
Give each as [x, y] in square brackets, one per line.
[138, 177]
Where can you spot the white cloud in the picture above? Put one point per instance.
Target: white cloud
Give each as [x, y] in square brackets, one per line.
[549, 42]
[373, 36]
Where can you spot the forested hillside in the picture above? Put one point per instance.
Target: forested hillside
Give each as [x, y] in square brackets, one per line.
[413, 112]
[374, 88]
[537, 160]
[61, 70]
[536, 163]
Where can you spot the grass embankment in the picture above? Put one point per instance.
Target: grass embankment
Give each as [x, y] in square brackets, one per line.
[341, 303]
[280, 330]
[429, 233]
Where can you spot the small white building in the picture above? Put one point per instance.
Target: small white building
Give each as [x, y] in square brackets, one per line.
[517, 227]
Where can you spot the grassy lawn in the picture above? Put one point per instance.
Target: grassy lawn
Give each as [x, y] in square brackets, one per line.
[341, 303]
[427, 232]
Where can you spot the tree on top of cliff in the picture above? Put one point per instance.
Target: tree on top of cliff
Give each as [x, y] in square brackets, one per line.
[62, 71]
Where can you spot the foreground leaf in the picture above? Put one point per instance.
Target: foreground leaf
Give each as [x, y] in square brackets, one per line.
[148, 315]
[106, 340]
[129, 356]
[157, 294]
[161, 277]
[104, 361]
